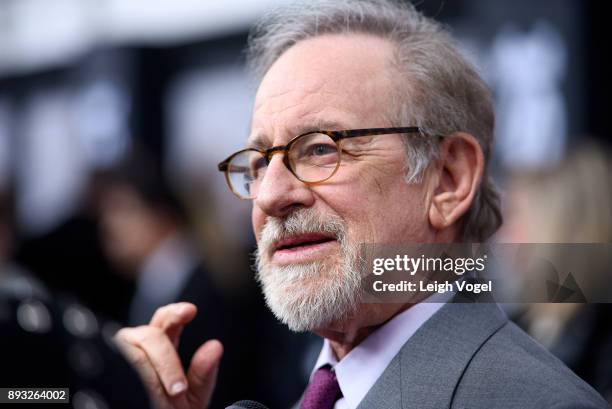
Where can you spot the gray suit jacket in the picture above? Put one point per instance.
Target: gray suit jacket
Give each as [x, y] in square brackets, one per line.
[470, 356]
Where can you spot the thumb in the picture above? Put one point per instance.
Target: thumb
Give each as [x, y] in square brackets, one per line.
[202, 374]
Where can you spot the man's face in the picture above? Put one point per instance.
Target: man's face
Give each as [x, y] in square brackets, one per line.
[130, 229]
[308, 236]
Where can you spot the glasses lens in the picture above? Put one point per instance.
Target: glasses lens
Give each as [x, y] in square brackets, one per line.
[245, 172]
[314, 157]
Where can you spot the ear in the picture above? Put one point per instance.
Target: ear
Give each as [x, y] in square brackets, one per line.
[461, 166]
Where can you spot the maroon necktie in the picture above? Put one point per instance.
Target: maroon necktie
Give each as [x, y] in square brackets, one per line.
[323, 390]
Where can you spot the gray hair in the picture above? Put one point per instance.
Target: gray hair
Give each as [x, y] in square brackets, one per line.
[441, 92]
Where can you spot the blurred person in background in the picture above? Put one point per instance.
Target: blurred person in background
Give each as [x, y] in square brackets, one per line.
[144, 233]
[568, 203]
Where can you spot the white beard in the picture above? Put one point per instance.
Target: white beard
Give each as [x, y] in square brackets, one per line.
[312, 295]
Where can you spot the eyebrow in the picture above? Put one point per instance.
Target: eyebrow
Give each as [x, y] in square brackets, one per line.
[261, 140]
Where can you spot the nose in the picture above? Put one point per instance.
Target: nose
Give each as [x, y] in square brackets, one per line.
[280, 191]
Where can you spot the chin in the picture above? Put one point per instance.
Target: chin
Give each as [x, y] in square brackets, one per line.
[309, 297]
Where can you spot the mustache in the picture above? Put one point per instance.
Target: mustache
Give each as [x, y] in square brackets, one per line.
[300, 221]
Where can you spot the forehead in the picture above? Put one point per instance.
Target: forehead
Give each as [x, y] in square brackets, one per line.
[343, 79]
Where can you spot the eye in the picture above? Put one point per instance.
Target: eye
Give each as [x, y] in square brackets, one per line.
[315, 149]
[320, 149]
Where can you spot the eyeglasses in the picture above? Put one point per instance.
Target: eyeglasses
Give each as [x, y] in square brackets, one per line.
[312, 158]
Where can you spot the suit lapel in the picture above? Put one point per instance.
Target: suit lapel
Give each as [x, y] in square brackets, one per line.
[424, 374]
[386, 392]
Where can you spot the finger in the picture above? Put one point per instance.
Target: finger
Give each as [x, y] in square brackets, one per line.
[162, 355]
[202, 374]
[139, 360]
[172, 318]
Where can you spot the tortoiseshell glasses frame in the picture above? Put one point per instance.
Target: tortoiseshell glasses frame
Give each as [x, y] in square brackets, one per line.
[310, 157]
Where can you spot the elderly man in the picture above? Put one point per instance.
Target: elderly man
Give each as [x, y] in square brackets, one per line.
[368, 127]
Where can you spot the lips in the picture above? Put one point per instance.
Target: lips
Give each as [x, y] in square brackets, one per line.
[302, 247]
[302, 240]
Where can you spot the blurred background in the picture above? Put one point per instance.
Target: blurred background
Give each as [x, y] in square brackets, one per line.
[113, 115]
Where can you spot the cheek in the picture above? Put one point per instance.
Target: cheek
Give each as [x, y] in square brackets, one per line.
[397, 215]
[359, 207]
[258, 219]
[411, 223]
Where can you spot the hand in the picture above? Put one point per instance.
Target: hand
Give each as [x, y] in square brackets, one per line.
[152, 351]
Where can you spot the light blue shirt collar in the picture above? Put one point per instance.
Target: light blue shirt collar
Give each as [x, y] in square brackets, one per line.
[359, 370]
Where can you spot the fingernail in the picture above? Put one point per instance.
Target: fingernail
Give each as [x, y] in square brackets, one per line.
[177, 388]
